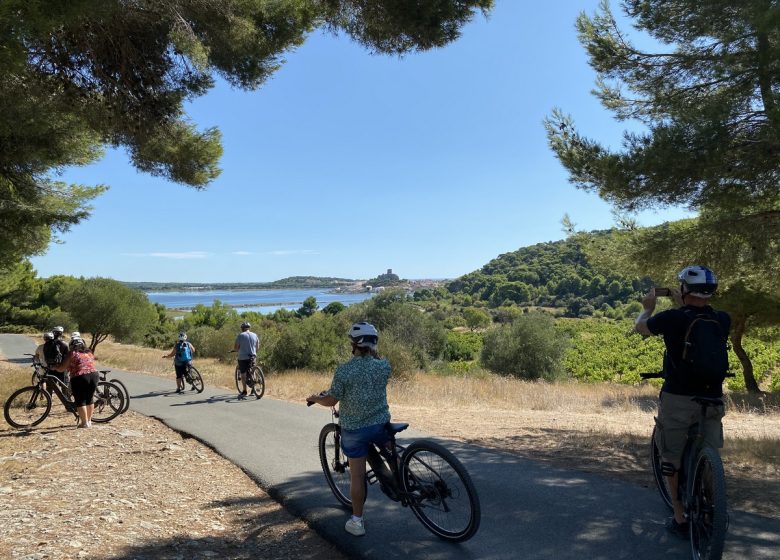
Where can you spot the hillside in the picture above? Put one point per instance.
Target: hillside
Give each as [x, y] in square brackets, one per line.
[292, 282]
[552, 274]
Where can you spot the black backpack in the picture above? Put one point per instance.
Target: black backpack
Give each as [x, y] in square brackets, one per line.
[705, 350]
[52, 351]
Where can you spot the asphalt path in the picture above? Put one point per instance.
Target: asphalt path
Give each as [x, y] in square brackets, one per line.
[529, 510]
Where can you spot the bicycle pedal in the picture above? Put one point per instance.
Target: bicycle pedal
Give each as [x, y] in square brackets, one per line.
[371, 477]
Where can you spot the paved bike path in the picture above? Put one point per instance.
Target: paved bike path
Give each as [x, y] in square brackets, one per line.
[529, 510]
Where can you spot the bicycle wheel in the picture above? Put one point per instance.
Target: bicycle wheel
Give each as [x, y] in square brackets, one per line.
[444, 498]
[708, 517]
[195, 379]
[335, 464]
[660, 480]
[238, 380]
[125, 393]
[27, 407]
[259, 381]
[109, 402]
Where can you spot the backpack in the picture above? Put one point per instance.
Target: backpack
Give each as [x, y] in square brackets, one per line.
[52, 351]
[705, 349]
[183, 352]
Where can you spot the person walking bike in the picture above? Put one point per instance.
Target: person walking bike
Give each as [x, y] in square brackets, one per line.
[360, 385]
[247, 344]
[181, 353]
[695, 365]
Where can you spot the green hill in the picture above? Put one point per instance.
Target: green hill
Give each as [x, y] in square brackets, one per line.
[552, 274]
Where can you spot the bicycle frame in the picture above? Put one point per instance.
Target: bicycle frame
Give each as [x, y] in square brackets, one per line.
[690, 452]
[57, 387]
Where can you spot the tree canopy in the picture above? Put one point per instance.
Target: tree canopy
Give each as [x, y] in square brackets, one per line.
[707, 97]
[81, 75]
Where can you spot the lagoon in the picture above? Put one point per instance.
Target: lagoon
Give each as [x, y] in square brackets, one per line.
[261, 301]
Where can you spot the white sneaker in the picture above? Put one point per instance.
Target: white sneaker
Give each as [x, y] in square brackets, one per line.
[355, 527]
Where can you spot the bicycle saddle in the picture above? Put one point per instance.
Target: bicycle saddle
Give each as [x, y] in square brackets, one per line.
[394, 427]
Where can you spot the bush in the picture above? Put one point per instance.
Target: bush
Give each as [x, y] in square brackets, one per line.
[317, 342]
[531, 348]
[400, 356]
[463, 346]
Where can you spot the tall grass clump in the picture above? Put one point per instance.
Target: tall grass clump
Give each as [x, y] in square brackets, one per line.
[529, 348]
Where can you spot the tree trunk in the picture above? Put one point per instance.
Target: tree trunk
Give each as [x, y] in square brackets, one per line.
[737, 331]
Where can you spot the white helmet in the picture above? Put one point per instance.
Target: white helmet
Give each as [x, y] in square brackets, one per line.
[75, 334]
[48, 336]
[698, 281]
[57, 331]
[182, 336]
[364, 335]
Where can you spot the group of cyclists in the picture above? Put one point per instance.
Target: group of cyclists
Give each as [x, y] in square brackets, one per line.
[73, 363]
[695, 363]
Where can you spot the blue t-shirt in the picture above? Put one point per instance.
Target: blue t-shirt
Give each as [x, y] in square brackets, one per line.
[360, 385]
[247, 345]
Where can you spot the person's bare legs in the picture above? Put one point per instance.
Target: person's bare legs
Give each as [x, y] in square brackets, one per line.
[90, 409]
[83, 418]
[677, 505]
[357, 487]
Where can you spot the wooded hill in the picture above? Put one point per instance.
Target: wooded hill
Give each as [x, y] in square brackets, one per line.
[552, 274]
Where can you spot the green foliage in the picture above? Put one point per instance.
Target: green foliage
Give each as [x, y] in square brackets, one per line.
[462, 346]
[402, 360]
[531, 348]
[334, 308]
[104, 307]
[317, 342]
[384, 280]
[215, 316]
[308, 308]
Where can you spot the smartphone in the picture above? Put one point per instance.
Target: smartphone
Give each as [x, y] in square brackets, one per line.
[661, 292]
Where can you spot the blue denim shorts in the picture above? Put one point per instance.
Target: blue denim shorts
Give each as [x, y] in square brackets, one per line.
[355, 443]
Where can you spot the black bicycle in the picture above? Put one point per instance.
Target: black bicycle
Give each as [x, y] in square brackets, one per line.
[29, 406]
[701, 485]
[424, 476]
[125, 393]
[39, 370]
[194, 378]
[255, 379]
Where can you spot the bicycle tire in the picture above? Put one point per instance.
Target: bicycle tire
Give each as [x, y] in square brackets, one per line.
[335, 464]
[196, 379]
[24, 408]
[109, 402]
[238, 380]
[259, 382]
[708, 516]
[445, 499]
[125, 393]
[660, 480]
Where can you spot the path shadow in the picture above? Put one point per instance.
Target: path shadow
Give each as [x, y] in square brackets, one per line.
[232, 399]
[25, 360]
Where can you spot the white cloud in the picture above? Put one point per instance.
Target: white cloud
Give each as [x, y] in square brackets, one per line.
[293, 252]
[243, 253]
[184, 255]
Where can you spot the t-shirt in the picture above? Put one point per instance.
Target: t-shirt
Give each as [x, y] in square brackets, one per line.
[39, 355]
[673, 324]
[81, 363]
[247, 345]
[360, 385]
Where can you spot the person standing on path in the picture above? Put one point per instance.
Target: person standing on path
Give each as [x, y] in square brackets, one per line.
[83, 380]
[247, 345]
[181, 353]
[39, 356]
[360, 386]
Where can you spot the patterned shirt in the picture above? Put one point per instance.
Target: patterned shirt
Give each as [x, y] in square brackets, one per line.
[81, 363]
[360, 385]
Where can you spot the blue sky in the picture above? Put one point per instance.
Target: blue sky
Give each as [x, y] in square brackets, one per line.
[346, 164]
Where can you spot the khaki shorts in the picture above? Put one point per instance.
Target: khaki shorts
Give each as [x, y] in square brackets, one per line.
[676, 414]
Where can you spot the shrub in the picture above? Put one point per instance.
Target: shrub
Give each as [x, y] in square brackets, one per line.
[462, 346]
[531, 348]
[317, 342]
[400, 356]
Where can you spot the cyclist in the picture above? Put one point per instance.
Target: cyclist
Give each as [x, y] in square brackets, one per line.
[682, 378]
[39, 356]
[181, 353]
[56, 351]
[360, 385]
[84, 379]
[247, 343]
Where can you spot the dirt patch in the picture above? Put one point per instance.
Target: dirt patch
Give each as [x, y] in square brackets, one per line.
[136, 489]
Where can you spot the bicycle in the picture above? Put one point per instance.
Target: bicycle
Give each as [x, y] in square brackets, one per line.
[255, 379]
[194, 378]
[38, 369]
[704, 492]
[29, 406]
[423, 476]
[125, 393]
